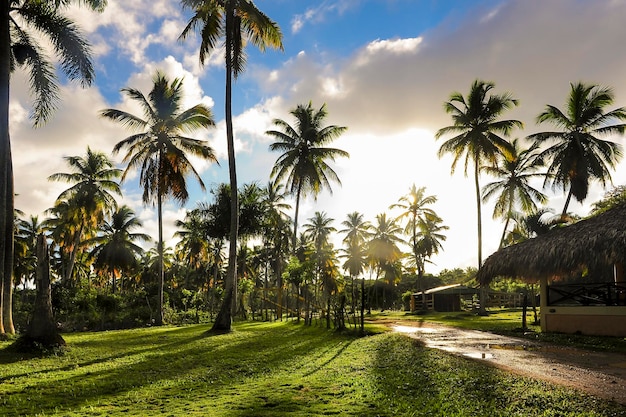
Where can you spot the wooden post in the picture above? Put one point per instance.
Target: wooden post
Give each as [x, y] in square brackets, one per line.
[543, 305]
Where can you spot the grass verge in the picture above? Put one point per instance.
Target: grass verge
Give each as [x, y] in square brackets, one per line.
[270, 369]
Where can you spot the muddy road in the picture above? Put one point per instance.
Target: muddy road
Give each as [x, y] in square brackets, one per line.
[602, 374]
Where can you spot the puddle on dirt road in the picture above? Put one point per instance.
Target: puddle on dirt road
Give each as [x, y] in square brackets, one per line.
[479, 355]
[411, 329]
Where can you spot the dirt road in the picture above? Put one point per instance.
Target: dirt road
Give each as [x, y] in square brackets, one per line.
[598, 373]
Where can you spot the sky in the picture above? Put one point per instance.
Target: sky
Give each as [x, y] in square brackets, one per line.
[383, 68]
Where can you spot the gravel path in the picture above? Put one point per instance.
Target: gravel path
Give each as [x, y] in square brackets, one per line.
[601, 374]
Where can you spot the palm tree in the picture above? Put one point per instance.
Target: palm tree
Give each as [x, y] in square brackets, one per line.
[357, 232]
[319, 229]
[160, 149]
[383, 252]
[303, 162]
[578, 155]
[194, 246]
[276, 237]
[478, 131]
[91, 196]
[356, 229]
[518, 168]
[25, 261]
[430, 241]
[238, 22]
[115, 249]
[414, 209]
[22, 24]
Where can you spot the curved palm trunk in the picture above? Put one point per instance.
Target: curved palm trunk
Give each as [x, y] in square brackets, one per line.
[73, 253]
[569, 198]
[223, 321]
[508, 219]
[6, 177]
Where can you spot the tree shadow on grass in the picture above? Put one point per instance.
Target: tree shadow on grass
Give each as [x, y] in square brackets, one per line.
[190, 365]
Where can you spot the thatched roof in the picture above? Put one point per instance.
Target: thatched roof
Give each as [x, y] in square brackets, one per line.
[595, 241]
[451, 289]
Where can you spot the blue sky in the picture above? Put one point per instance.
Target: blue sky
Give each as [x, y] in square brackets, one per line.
[384, 69]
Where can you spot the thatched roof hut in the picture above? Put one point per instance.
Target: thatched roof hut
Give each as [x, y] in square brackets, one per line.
[589, 243]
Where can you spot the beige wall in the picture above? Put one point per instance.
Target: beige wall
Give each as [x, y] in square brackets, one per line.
[598, 321]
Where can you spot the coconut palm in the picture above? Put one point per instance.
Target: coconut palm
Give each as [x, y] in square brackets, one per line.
[26, 234]
[357, 232]
[277, 235]
[513, 188]
[383, 249]
[159, 148]
[237, 22]
[356, 229]
[23, 24]
[319, 229]
[429, 243]
[478, 133]
[302, 165]
[193, 244]
[115, 250]
[414, 210]
[578, 154]
[91, 195]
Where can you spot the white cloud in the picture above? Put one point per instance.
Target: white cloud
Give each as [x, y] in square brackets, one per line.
[319, 13]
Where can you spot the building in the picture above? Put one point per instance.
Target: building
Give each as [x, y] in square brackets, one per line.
[581, 271]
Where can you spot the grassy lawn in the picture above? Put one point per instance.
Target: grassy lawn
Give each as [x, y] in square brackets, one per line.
[270, 369]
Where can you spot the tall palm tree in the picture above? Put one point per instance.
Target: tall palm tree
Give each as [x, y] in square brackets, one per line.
[318, 231]
[26, 234]
[22, 24]
[357, 232]
[478, 133]
[513, 188]
[159, 148]
[303, 162]
[237, 22]
[430, 240]
[194, 245]
[578, 154]
[115, 249]
[91, 195]
[414, 209]
[276, 237]
[319, 228]
[383, 249]
[356, 229]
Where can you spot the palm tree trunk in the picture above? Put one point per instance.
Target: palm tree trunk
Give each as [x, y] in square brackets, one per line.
[363, 305]
[509, 214]
[160, 319]
[223, 321]
[6, 175]
[483, 289]
[295, 219]
[42, 330]
[567, 200]
[72, 260]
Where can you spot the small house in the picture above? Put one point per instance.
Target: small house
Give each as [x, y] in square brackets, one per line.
[446, 298]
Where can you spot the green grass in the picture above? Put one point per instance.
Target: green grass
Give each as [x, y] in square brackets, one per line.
[506, 322]
[270, 369]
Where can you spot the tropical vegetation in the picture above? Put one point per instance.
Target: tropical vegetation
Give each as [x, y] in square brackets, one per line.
[242, 252]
